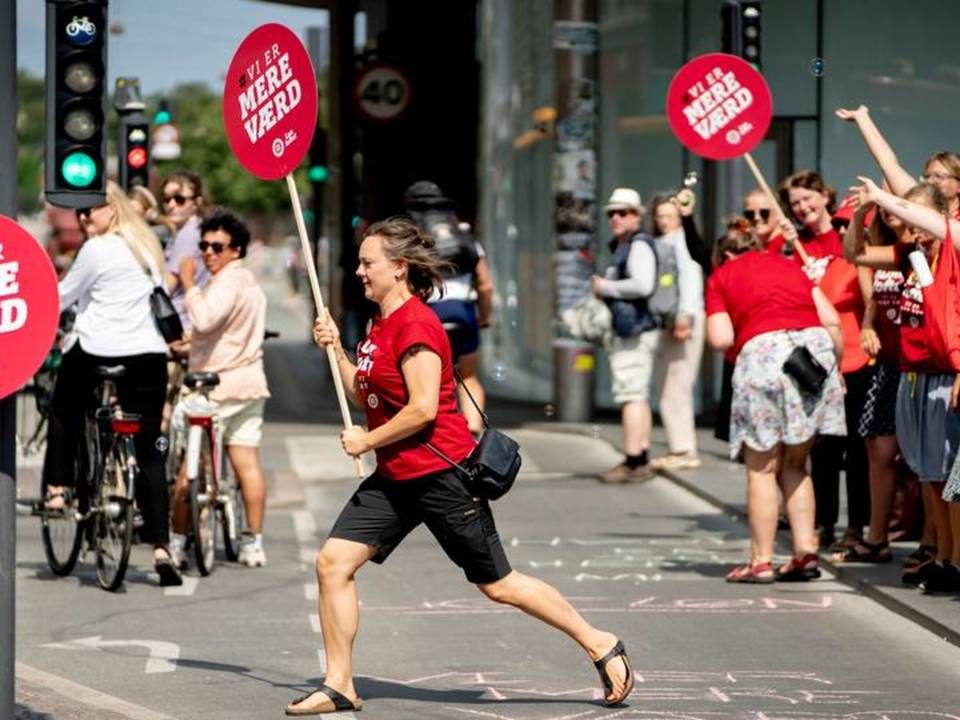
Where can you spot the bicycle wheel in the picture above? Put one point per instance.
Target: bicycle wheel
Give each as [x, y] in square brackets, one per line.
[203, 499]
[113, 519]
[62, 530]
[233, 517]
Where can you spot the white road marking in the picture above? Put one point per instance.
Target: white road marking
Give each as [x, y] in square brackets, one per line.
[310, 591]
[304, 528]
[162, 659]
[87, 696]
[314, 622]
[188, 588]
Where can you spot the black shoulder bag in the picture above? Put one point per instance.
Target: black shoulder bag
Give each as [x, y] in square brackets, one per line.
[165, 315]
[492, 467]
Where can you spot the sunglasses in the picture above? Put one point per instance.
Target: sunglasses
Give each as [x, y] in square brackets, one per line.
[617, 213]
[751, 215]
[178, 199]
[86, 212]
[217, 247]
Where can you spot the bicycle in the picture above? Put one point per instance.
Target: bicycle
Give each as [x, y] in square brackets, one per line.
[99, 508]
[216, 497]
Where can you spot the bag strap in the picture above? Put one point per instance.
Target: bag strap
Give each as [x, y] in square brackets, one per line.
[144, 263]
[483, 415]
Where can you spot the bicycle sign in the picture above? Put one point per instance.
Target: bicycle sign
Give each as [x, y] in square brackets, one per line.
[382, 93]
[81, 31]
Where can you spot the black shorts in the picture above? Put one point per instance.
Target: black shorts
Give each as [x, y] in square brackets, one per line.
[382, 512]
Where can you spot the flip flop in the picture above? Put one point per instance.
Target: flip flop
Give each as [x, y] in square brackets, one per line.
[335, 702]
[618, 651]
[55, 501]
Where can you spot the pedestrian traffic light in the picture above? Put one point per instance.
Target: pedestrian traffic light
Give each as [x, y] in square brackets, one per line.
[741, 30]
[133, 140]
[76, 67]
[318, 171]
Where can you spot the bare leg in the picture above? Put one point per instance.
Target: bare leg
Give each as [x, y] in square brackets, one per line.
[882, 456]
[954, 510]
[941, 519]
[467, 365]
[798, 492]
[762, 501]
[337, 563]
[637, 424]
[181, 505]
[544, 602]
[246, 464]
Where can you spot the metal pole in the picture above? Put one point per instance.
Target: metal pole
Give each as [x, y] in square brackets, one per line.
[8, 462]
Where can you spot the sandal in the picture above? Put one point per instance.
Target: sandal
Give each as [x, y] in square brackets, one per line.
[618, 651]
[760, 574]
[164, 567]
[335, 702]
[799, 569]
[866, 552]
[850, 539]
[921, 556]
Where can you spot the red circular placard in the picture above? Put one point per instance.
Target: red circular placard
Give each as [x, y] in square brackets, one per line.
[270, 102]
[718, 106]
[29, 306]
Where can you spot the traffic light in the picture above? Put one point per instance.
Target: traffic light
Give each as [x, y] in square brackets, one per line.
[741, 30]
[76, 68]
[133, 139]
[318, 171]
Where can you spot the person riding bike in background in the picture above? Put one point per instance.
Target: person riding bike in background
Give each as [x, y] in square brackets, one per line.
[466, 302]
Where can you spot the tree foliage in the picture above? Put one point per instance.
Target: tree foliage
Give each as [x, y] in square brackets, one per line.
[197, 112]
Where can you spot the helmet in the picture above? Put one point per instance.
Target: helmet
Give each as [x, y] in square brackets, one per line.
[425, 194]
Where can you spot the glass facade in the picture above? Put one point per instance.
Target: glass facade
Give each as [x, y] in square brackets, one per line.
[898, 62]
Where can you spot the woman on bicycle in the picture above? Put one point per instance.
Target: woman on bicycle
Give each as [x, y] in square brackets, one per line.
[185, 204]
[228, 319]
[110, 282]
[404, 380]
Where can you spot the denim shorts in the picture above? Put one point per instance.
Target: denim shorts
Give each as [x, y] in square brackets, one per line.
[382, 513]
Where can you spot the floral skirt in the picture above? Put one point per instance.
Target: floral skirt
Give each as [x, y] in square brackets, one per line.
[768, 407]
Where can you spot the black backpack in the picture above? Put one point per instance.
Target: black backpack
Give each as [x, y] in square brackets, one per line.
[453, 245]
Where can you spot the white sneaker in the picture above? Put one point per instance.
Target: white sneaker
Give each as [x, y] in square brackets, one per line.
[177, 554]
[252, 555]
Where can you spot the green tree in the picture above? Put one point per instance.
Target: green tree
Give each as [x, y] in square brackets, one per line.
[30, 129]
[198, 114]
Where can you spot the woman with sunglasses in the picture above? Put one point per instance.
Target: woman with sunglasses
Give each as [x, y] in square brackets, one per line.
[184, 203]
[228, 317]
[762, 217]
[110, 282]
[942, 169]
[774, 422]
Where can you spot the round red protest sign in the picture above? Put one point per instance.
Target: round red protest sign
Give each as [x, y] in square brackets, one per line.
[270, 102]
[718, 106]
[29, 306]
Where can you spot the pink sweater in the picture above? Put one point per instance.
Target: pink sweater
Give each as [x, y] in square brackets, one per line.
[228, 318]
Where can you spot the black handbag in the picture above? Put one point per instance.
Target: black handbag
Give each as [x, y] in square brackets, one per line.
[805, 370]
[165, 315]
[492, 467]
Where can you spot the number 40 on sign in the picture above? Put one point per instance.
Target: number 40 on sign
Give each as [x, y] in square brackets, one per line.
[382, 93]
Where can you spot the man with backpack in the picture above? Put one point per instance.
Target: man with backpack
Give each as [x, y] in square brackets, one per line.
[467, 301]
[629, 286]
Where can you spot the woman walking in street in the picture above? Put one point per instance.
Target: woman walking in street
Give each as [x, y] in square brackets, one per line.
[404, 380]
[763, 307]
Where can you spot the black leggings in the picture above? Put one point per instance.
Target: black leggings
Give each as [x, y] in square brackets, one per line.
[141, 391]
[831, 454]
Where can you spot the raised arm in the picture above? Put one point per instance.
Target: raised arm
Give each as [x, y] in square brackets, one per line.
[899, 179]
[913, 214]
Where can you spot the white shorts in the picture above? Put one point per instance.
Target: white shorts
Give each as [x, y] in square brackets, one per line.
[631, 365]
[241, 422]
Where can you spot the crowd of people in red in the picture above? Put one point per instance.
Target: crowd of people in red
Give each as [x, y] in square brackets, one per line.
[841, 330]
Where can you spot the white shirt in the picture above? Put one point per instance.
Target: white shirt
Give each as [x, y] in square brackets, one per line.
[641, 279]
[112, 293]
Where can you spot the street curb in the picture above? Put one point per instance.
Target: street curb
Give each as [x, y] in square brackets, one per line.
[866, 587]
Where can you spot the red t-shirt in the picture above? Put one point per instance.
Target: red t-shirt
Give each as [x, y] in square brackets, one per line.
[821, 248]
[382, 390]
[915, 354]
[841, 284]
[887, 289]
[761, 292]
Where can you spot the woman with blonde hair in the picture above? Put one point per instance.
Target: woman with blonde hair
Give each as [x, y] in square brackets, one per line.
[110, 282]
[146, 202]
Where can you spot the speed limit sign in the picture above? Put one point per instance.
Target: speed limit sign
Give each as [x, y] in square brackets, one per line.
[382, 92]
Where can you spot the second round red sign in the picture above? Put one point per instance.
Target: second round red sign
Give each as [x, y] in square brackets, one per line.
[270, 102]
[719, 107]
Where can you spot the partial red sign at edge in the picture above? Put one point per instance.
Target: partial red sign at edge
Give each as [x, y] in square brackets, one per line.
[270, 102]
[729, 133]
[23, 350]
